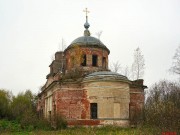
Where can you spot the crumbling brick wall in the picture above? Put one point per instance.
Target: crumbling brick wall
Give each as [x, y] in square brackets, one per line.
[137, 98]
[71, 102]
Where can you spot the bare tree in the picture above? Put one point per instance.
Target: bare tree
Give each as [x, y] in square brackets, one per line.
[99, 34]
[126, 72]
[176, 62]
[138, 65]
[115, 66]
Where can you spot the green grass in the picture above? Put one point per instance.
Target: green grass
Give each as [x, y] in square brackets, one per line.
[10, 126]
[90, 131]
[13, 128]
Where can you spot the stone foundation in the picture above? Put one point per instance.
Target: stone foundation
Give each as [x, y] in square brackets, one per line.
[98, 122]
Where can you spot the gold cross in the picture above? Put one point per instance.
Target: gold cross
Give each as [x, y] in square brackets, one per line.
[86, 11]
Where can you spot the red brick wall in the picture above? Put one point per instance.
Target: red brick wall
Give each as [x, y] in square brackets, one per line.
[72, 104]
[136, 100]
[88, 51]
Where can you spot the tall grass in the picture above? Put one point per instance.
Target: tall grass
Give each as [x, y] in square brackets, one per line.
[107, 130]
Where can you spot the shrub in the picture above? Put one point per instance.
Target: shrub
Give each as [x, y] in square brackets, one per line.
[60, 122]
[74, 74]
[43, 124]
[29, 119]
[12, 126]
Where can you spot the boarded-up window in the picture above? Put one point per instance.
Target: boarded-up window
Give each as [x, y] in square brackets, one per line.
[93, 107]
[116, 110]
[94, 60]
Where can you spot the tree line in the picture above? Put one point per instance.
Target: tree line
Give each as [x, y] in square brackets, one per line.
[22, 109]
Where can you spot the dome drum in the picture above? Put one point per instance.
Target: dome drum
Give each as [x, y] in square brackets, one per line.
[92, 59]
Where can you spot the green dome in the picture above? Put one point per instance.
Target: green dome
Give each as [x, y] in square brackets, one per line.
[88, 41]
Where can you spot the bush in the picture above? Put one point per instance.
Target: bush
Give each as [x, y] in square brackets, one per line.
[29, 119]
[12, 126]
[43, 124]
[74, 74]
[60, 122]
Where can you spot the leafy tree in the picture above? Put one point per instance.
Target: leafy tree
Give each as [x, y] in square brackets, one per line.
[22, 103]
[5, 100]
[176, 63]
[138, 65]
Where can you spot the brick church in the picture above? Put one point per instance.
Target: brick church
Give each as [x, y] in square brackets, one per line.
[81, 88]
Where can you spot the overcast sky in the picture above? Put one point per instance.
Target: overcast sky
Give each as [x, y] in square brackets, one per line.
[31, 32]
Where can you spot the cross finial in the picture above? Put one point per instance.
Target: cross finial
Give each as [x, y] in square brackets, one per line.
[86, 25]
[86, 10]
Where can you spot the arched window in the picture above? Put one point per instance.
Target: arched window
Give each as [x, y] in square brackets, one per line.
[84, 60]
[94, 60]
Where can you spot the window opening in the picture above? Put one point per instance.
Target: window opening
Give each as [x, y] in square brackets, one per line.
[93, 107]
[94, 60]
[84, 60]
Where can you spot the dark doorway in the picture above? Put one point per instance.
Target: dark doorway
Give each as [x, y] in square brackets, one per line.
[93, 107]
[84, 60]
[94, 60]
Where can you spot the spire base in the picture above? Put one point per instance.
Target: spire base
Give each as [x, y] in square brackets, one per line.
[87, 33]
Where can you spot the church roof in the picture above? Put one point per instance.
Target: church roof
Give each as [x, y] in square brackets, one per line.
[106, 75]
[88, 41]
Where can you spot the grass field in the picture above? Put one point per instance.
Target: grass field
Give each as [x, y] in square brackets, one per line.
[14, 128]
[94, 131]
